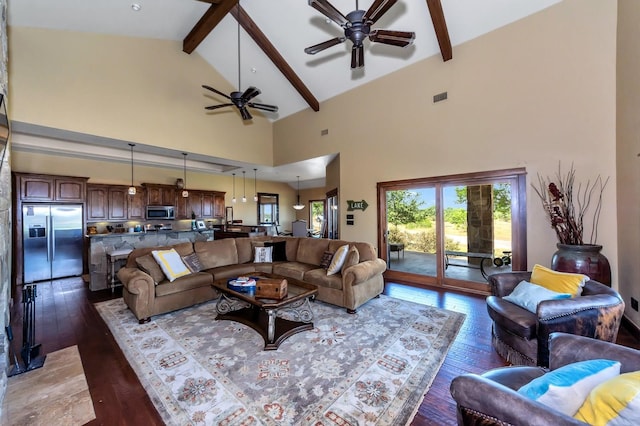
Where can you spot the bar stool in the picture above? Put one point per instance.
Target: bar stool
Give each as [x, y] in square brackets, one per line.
[112, 258]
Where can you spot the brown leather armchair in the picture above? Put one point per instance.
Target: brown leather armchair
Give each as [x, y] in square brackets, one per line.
[492, 398]
[521, 337]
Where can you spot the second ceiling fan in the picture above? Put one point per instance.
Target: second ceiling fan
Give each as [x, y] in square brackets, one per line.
[357, 27]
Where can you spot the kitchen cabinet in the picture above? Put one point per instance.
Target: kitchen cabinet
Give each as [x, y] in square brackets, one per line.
[118, 206]
[113, 202]
[137, 205]
[33, 187]
[218, 204]
[97, 203]
[160, 195]
[204, 204]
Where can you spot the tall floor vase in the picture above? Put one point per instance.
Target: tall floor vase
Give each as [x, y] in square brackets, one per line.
[584, 259]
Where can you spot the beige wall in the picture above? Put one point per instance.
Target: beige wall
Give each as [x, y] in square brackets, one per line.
[628, 149]
[140, 90]
[527, 95]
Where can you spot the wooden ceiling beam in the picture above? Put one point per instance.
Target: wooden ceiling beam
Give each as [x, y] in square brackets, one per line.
[206, 24]
[272, 53]
[440, 26]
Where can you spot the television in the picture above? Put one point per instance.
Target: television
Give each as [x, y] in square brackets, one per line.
[5, 128]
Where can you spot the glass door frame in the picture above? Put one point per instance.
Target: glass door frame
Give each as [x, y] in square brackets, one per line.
[516, 177]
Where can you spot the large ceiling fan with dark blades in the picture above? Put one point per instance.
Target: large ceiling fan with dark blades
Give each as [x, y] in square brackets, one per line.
[240, 100]
[357, 27]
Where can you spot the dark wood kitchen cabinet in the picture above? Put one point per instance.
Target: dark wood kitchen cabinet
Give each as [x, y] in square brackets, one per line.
[218, 204]
[113, 202]
[160, 195]
[34, 187]
[203, 204]
[97, 203]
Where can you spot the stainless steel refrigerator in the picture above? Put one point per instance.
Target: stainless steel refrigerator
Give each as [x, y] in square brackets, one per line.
[52, 241]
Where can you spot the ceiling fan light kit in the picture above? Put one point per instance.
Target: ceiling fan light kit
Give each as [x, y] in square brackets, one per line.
[357, 27]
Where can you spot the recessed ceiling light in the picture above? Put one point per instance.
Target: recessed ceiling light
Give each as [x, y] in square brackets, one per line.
[254, 70]
[136, 7]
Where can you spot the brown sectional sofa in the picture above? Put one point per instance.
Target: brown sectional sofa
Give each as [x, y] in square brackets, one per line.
[231, 257]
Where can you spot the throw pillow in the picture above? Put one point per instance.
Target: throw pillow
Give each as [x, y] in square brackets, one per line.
[561, 282]
[353, 258]
[263, 255]
[279, 253]
[614, 402]
[192, 262]
[566, 388]
[148, 265]
[338, 260]
[326, 259]
[171, 264]
[528, 295]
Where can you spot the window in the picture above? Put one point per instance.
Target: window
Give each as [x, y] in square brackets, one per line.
[455, 230]
[268, 209]
[317, 217]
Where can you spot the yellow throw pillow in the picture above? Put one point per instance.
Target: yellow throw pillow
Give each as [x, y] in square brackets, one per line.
[560, 282]
[616, 401]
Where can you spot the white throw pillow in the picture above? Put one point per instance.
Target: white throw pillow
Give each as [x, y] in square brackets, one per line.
[528, 295]
[171, 263]
[338, 260]
[263, 255]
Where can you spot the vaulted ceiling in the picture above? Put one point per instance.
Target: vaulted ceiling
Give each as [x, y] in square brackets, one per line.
[275, 34]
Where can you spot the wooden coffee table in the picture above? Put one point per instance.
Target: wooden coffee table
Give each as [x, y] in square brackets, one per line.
[265, 315]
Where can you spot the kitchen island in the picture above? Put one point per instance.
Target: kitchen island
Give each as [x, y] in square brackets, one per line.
[100, 245]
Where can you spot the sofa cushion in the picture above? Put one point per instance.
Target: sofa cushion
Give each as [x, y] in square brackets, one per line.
[566, 388]
[353, 258]
[320, 278]
[171, 264]
[192, 262]
[614, 402]
[216, 253]
[183, 249]
[326, 259]
[232, 271]
[294, 270]
[279, 253]
[528, 295]
[244, 247]
[338, 260]
[188, 282]
[149, 265]
[263, 254]
[310, 250]
[561, 282]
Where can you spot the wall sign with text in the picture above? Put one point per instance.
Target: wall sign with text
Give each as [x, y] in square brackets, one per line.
[356, 205]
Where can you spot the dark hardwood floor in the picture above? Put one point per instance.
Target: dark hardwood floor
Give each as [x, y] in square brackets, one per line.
[65, 316]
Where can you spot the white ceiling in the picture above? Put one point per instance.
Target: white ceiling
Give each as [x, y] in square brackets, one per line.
[290, 25]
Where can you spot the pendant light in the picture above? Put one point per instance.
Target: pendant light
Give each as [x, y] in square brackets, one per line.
[298, 206]
[185, 193]
[233, 200]
[244, 186]
[255, 185]
[132, 189]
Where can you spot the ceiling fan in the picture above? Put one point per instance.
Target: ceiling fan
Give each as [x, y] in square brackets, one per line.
[357, 27]
[241, 100]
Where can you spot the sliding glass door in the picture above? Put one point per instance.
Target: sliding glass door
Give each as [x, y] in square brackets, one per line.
[453, 231]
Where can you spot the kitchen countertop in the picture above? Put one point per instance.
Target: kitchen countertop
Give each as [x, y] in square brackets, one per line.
[131, 234]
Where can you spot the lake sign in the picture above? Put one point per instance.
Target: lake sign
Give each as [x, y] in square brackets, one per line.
[356, 205]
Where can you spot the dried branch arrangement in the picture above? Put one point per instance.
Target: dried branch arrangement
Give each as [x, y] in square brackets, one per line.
[567, 206]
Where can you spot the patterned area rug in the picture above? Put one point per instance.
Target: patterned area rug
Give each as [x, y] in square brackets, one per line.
[371, 368]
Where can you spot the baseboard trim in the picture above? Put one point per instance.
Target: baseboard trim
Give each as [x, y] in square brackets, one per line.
[631, 327]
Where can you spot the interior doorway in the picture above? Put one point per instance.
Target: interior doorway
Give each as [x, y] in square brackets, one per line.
[453, 231]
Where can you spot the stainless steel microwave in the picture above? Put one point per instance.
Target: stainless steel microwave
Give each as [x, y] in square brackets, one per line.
[161, 212]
